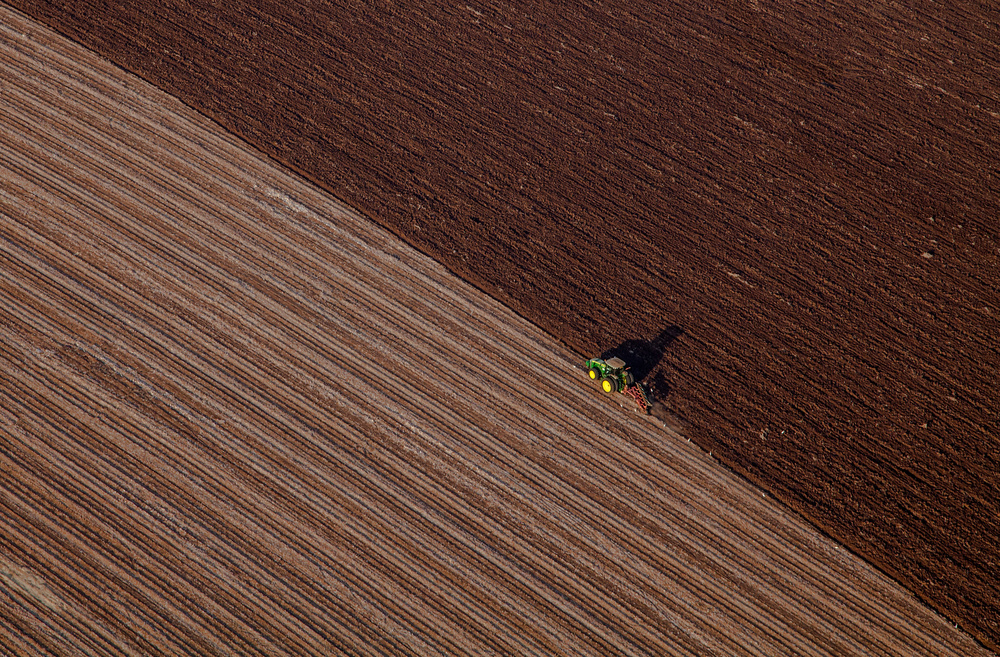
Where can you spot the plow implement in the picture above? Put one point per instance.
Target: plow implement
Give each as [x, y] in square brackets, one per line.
[639, 395]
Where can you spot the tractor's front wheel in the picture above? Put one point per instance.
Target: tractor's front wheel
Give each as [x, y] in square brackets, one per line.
[609, 385]
[594, 373]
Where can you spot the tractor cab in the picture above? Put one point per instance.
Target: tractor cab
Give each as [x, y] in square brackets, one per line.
[616, 363]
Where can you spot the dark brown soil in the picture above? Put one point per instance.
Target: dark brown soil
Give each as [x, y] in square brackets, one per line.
[799, 202]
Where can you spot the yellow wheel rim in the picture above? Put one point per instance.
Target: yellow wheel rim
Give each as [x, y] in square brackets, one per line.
[593, 374]
[607, 386]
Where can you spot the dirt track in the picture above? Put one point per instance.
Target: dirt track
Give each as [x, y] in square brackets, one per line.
[237, 418]
[807, 190]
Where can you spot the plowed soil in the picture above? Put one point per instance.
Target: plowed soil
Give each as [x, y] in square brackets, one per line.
[238, 418]
[803, 196]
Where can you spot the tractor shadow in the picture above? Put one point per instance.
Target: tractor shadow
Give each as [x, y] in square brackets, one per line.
[642, 357]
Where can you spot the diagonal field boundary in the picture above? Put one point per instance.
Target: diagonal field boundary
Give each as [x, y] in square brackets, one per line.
[238, 418]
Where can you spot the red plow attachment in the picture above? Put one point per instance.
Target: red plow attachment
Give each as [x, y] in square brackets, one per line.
[636, 392]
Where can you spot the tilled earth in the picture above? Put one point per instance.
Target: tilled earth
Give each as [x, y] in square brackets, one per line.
[787, 212]
[238, 418]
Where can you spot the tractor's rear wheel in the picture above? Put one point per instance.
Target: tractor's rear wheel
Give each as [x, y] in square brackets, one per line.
[609, 385]
[594, 373]
[629, 379]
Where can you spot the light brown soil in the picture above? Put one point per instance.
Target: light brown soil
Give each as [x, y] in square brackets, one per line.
[236, 418]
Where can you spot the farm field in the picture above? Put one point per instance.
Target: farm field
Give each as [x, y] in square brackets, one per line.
[238, 418]
[801, 196]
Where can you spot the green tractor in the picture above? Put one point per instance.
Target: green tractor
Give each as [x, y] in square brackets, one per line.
[614, 376]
